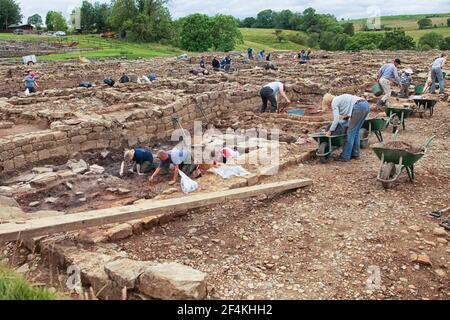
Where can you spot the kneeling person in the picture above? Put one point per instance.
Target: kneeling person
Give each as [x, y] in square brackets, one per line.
[270, 92]
[180, 159]
[142, 157]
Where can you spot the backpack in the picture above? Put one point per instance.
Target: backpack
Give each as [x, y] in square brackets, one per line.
[124, 79]
[85, 84]
[110, 82]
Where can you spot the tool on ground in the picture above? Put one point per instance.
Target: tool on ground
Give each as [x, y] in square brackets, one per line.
[440, 213]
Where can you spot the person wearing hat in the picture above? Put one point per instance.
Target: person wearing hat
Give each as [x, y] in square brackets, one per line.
[386, 73]
[405, 80]
[270, 92]
[142, 157]
[180, 159]
[348, 106]
[30, 82]
[437, 75]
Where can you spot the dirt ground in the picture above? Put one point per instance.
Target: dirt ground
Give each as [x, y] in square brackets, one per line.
[344, 237]
[323, 241]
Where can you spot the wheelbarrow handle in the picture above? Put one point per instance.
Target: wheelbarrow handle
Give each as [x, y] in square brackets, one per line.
[388, 121]
[428, 142]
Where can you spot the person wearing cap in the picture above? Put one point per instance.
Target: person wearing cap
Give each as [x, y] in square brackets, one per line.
[405, 80]
[386, 73]
[437, 75]
[357, 109]
[270, 92]
[180, 159]
[142, 157]
[30, 82]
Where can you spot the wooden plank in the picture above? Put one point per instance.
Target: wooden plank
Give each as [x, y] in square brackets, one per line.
[49, 225]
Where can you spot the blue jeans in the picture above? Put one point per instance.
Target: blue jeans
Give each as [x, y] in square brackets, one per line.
[437, 75]
[359, 114]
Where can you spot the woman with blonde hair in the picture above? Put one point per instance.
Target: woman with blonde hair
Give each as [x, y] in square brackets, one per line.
[352, 107]
[141, 156]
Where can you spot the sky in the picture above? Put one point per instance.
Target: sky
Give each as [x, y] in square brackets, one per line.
[244, 8]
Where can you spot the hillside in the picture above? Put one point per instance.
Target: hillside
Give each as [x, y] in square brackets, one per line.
[407, 22]
[265, 39]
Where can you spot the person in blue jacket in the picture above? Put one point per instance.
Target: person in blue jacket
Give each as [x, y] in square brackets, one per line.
[250, 53]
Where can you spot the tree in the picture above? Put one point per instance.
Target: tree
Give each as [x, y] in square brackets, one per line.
[448, 22]
[195, 33]
[425, 23]
[431, 39]
[297, 38]
[35, 19]
[348, 28]
[9, 13]
[365, 41]
[326, 40]
[397, 40]
[265, 19]
[102, 14]
[148, 20]
[445, 44]
[87, 17]
[248, 22]
[282, 19]
[225, 32]
[313, 40]
[279, 34]
[55, 21]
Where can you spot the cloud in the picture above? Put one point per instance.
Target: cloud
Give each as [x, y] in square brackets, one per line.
[244, 8]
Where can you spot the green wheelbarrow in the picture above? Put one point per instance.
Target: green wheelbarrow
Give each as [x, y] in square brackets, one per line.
[375, 126]
[328, 144]
[394, 162]
[402, 114]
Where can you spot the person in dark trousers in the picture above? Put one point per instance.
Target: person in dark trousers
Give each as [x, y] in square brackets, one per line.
[142, 157]
[437, 75]
[202, 63]
[30, 82]
[250, 53]
[270, 92]
[215, 64]
[268, 57]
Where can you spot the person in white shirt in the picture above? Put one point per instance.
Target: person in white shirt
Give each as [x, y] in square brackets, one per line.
[437, 75]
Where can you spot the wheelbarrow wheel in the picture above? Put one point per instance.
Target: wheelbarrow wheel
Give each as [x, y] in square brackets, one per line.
[364, 136]
[324, 148]
[421, 111]
[387, 173]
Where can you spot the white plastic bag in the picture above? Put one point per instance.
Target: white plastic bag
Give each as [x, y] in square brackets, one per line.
[187, 184]
[27, 92]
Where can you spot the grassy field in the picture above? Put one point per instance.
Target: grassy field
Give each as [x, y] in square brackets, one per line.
[265, 39]
[407, 22]
[15, 287]
[103, 48]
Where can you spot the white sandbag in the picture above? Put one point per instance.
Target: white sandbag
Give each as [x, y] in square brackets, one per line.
[27, 92]
[187, 184]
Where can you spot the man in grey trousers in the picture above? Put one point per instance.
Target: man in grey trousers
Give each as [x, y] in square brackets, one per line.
[437, 75]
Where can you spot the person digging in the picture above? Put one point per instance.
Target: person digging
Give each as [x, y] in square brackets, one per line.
[386, 73]
[180, 159]
[143, 159]
[270, 92]
[357, 109]
[437, 74]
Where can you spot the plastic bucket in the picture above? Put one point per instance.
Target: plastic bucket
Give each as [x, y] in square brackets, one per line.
[377, 90]
[296, 112]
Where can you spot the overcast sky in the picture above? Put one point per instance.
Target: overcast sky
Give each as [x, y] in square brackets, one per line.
[244, 8]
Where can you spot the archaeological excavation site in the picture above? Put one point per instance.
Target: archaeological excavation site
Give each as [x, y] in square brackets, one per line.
[287, 223]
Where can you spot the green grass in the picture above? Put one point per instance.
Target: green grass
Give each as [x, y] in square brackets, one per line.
[265, 39]
[15, 287]
[416, 34]
[407, 22]
[103, 48]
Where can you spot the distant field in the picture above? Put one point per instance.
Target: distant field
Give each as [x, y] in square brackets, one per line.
[407, 22]
[416, 34]
[265, 39]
